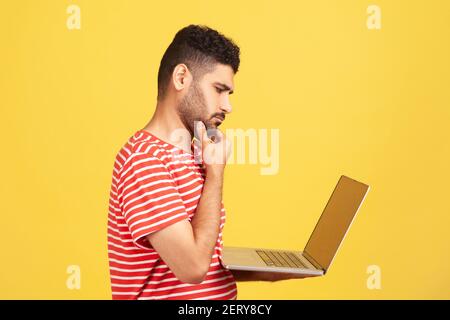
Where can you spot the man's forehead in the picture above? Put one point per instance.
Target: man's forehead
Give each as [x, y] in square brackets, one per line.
[223, 75]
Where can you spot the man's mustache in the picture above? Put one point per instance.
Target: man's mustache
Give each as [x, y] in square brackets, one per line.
[221, 116]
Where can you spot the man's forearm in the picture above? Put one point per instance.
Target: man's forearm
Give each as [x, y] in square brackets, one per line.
[206, 221]
[241, 275]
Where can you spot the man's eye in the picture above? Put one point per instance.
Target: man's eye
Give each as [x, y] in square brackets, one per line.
[219, 90]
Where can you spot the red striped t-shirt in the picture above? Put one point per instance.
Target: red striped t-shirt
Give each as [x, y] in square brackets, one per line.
[154, 185]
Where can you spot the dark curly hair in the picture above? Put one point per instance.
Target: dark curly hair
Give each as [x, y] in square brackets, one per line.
[200, 48]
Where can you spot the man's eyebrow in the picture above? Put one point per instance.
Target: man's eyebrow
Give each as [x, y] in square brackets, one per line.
[224, 86]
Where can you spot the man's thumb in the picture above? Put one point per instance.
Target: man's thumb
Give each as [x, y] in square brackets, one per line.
[201, 132]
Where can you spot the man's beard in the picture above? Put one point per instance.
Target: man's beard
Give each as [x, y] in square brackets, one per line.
[193, 108]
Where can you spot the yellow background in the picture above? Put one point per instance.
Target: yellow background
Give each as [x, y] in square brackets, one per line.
[370, 104]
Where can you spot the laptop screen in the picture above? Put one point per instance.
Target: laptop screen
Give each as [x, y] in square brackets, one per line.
[335, 220]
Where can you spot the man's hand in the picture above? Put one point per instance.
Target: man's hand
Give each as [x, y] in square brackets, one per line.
[278, 276]
[214, 153]
[241, 275]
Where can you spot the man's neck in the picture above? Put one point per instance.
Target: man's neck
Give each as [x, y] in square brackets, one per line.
[167, 125]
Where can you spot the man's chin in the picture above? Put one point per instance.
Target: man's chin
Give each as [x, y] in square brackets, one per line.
[210, 126]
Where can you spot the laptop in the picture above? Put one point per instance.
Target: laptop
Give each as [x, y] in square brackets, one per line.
[322, 246]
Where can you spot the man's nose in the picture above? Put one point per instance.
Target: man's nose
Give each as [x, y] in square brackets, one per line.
[226, 107]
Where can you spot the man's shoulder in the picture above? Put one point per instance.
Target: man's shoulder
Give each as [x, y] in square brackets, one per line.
[140, 147]
[145, 146]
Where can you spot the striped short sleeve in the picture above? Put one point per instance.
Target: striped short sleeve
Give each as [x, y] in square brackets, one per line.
[150, 199]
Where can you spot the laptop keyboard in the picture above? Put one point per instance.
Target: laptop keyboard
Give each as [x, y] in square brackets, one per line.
[280, 259]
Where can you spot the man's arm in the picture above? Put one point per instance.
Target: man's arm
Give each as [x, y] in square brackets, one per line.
[241, 275]
[187, 248]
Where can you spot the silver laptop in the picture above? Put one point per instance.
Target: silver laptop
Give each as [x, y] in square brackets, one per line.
[324, 242]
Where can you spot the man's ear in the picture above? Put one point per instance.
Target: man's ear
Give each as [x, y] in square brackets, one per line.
[181, 77]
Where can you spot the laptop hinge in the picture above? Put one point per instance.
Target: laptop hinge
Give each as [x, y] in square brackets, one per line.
[312, 261]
